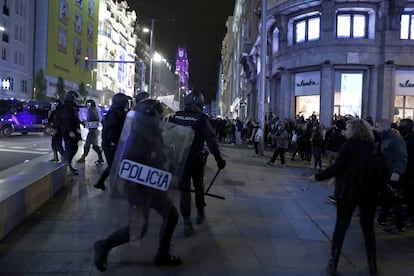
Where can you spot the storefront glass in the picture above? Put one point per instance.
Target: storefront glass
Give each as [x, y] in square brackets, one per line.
[403, 108]
[348, 94]
[308, 105]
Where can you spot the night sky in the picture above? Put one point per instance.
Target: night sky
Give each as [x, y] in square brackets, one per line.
[199, 26]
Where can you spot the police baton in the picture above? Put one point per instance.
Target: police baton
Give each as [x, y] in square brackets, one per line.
[206, 193]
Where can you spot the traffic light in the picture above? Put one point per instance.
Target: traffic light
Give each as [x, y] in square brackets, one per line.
[86, 58]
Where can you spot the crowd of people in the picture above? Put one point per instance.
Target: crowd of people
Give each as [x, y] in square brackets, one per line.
[372, 164]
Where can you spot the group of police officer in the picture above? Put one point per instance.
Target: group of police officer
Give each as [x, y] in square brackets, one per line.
[143, 146]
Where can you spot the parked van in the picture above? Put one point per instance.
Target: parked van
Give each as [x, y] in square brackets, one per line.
[23, 116]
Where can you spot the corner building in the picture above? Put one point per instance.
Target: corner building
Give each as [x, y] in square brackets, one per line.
[328, 57]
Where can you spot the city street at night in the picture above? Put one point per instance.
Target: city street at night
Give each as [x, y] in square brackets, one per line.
[272, 222]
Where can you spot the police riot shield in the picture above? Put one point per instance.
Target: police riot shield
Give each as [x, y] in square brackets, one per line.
[150, 153]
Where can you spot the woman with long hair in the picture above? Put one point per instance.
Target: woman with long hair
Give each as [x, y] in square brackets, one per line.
[355, 186]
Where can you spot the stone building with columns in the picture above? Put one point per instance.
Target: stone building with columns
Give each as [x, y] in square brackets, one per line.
[327, 57]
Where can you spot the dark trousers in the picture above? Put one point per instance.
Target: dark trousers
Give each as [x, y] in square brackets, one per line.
[92, 140]
[344, 212]
[71, 147]
[256, 147]
[391, 198]
[193, 173]
[161, 203]
[278, 151]
[109, 152]
[57, 144]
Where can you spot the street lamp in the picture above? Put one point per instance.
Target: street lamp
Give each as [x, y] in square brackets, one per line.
[146, 30]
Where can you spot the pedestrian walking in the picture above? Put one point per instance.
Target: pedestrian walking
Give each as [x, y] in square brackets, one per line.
[392, 146]
[282, 144]
[192, 116]
[256, 137]
[406, 129]
[358, 180]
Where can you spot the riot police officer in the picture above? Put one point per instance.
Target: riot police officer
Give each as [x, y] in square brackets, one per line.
[145, 131]
[192, 116]
[112, 127]
[69, 125]
[57, 147]
[92, 124]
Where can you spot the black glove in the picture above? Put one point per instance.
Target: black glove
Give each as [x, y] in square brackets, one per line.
[221, 163]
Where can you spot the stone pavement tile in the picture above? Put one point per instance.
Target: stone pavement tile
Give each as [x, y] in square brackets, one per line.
[279, 228]
[306, 229]
[292, 253]
[237, 252]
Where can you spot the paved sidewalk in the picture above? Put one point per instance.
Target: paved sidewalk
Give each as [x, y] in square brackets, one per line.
[272, 222]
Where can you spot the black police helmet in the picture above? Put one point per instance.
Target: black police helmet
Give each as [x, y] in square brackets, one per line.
[120, 99]
[196, 99]
[150, 107]
[91, 103]
[141, 96]
[72, 97]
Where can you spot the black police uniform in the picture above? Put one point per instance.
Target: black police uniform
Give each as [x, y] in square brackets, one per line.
[192, 116]
[57, 138]
[145, 131]
[111, 131]
[92, 123]
[69, 124]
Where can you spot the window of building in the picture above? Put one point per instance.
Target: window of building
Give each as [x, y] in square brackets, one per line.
[6, 10]
[275, 41]
[351, 25]
[24, 86]
[304, 28]
[407, 26]
[307, 29]
[3, 54]
[355, 23]
[403, 107]
[348, 93]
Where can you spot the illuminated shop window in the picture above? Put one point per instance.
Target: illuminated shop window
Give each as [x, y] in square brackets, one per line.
[403, 108]
[351, 25]
[307, 105]
[348, 93]
[407, 28]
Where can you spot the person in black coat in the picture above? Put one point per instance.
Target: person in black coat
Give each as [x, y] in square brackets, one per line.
[69, 125]
[57, 139]
[355, 186]
[406, 129]
[111, 131]
[192, 116]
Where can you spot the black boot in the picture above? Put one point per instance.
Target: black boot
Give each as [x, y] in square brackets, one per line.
[372, 262]
[200, 216]
[164, 257]
[101, 249]
[188, 227]
[100, 185]
[333, 263]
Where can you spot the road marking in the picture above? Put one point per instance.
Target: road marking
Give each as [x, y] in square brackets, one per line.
[17, 147]
[23, 151]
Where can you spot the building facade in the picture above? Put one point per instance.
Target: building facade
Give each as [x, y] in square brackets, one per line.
[16, 64]
[328, 58]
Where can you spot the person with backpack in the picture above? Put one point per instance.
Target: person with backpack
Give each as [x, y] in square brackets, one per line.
[358, 180]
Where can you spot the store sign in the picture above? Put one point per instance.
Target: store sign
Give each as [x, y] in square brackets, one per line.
[308, 83]
[404, 83]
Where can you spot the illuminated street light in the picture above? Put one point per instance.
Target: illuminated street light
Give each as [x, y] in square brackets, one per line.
[151, 57]
[2, 29]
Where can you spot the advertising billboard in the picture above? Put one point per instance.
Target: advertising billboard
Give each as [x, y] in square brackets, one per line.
[72, 35]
